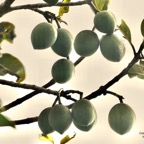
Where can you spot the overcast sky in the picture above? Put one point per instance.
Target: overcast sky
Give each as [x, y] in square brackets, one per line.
[92, 73]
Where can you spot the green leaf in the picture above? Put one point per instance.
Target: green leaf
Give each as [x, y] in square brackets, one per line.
[63, 9]
[12, 65]
[3, 71]
[123, 27]
[66, 139]
[4, 121]
[136, 70]
[142, 27]
[46, 138]
[141, 62]
[7, 31]
[101, 4]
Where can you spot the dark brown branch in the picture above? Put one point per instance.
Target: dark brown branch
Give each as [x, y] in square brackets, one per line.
[26, 121]
[79, 61]
[42, 5]
[133, 48]
[115, 94]
[27, 86]
[124, 72]
[30, 95]
[67, 94]
[26, 97]
[4, 9]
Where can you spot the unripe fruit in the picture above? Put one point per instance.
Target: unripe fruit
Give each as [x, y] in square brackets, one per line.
[121, 118]
[84, 127]
[60, 118]
[64, 42]
[62, 70]
[43, 122]
[83, 113]
[104, 21]
[86, 43]
[43, 35]
[51, 2]
[112, 47]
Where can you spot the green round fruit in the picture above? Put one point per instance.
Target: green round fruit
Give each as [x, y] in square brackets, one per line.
[43, 35]
[43, 122]
[51, 2]
[84, 127]
[112, 48]
[86, 43]
[121, 118]
[62, 70]
[83, 112]
[60, 118]
[64, 43]
[104, 21]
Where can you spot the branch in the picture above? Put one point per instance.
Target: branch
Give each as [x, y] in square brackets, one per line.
[28, 86]
[124, 72]
[8, 3]
[30, 95]
[26, 121]
[80, 59]
[67, 95]
[24, 98]
[4, 10]
[5, 6]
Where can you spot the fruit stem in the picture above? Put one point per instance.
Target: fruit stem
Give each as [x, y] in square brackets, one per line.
[56, 20]
[93, 28]
[58, 96]
[115, 94]
[93, 8]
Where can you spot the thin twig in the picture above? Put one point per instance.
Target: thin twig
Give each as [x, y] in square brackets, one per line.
[27, 86]
[26, 121]
[43, 5]
[68, 92]
[115, 94]
[80, 59]
[133, 48]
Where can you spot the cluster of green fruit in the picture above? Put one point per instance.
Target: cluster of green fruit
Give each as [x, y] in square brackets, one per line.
[59, 117]
[111, 46]
[86, 43]
[83, 114]
[45, 35]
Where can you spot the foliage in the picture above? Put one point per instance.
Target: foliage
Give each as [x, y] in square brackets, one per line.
[7, 32]
[12, 65]
[101, 4]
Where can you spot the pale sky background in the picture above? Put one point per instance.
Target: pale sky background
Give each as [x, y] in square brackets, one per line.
[92, 73]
